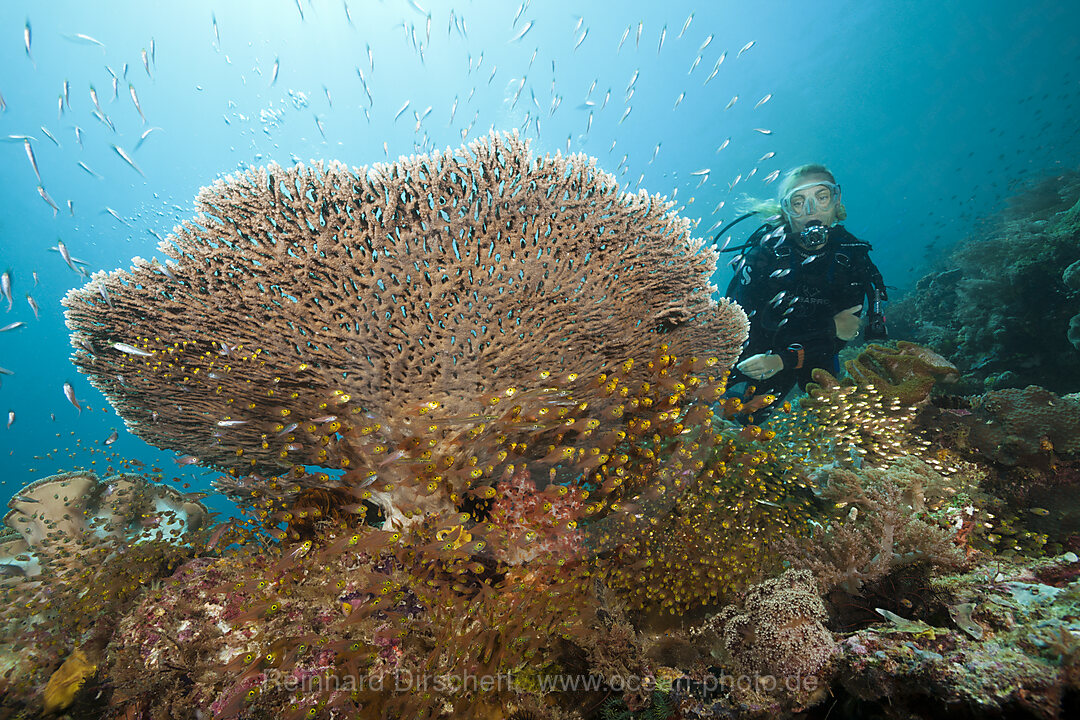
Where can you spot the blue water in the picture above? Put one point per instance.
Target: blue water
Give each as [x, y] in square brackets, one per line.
[927, 112]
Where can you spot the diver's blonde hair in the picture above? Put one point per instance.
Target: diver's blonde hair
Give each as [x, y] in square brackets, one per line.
[770, 208]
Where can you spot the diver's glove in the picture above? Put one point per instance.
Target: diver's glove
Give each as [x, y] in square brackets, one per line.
[761, 366]
[847, 322]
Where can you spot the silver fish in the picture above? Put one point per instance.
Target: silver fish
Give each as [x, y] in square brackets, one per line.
[745, 47]
[581, 39]
[524, 30]
[146, 63]
[69, 393]
[131, 349]
[288, 429]
[116, 215]
[231, 423]
[763, 131]
[112, 437]
[86, 167]
[127, 158]
[626, 34]
[686, 25]
[763, 100]
[94, 98]
[135, 99]
[663, 34]
[143, 137]
[5, 371]
[45, 196]
[83, 39]
[766, 156]
[731, 102]
[780, 273]
[5, 288]
[26, 39]
[10, 418]
[771, 176]
[274, 73]
[62, 249]
[50, 136]
[33, 160]
[78, 135]
[33, 306]
[12, 326]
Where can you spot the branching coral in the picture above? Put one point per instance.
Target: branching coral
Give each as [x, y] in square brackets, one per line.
[304, 293]
[887, 518]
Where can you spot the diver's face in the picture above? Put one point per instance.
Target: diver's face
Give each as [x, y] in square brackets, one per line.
[814, 198]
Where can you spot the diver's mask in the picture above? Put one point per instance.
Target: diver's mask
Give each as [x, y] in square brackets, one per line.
[813, 237]
[810, 199]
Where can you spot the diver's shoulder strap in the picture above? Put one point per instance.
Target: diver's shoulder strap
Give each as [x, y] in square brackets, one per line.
[849, 242]
[845, 239]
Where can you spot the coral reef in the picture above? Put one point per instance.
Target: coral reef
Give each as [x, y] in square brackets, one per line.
[993, 303]
[885, 519]
[471, 408]
[1023, 427]
[906, 371]
[55, 519]
[1011, 648]
[305, 293]
[775, 637]
[83, 550]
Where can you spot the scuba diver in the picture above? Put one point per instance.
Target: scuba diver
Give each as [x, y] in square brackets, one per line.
[804, 282]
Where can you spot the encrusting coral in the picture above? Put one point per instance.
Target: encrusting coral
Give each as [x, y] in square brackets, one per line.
[81, 551]
[906, 371]
[57, 518]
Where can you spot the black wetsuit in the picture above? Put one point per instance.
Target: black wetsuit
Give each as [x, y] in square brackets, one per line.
[791, 296]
